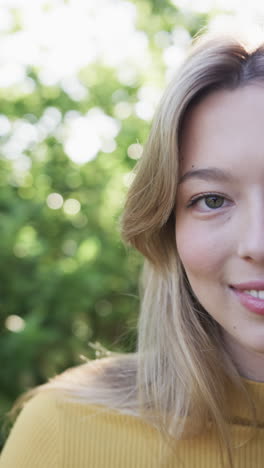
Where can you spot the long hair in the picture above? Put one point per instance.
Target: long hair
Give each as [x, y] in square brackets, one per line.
[179, 377]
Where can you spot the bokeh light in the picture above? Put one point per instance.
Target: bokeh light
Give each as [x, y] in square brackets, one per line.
[15, 323]
[71, 206]
[55, 201]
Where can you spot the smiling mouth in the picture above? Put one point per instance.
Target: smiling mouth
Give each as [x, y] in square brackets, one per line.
[251, 297]
[257, 293]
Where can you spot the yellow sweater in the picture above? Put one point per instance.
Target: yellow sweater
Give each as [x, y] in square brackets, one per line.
[53, 433]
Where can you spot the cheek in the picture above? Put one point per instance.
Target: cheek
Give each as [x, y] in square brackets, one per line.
[201, 251]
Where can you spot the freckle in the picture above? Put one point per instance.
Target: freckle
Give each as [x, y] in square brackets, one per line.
[234, 327]
[192, 165]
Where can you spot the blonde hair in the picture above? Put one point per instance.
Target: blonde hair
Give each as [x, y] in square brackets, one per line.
[181, 370]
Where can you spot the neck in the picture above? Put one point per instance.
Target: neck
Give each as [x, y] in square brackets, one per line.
[249, 362]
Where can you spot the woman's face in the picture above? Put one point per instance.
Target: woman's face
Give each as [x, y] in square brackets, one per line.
[220, 217]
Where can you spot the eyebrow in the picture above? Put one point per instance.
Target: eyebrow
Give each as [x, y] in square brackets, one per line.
[210, 173]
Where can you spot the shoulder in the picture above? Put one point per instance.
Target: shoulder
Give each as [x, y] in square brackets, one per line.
[98, 397]
[70, 419]
[57, 429]
[34, 434]
[102, 382]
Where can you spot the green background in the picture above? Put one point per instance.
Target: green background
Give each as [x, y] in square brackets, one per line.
[68, 276]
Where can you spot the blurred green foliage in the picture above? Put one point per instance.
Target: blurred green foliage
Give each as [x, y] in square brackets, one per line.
[65, 278]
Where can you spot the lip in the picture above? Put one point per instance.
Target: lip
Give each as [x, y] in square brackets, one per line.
[253, 304]
[258, 285]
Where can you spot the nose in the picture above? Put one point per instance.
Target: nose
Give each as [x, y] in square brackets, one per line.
[251, 236]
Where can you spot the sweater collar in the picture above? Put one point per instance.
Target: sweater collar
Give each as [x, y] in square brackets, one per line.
[240, 408]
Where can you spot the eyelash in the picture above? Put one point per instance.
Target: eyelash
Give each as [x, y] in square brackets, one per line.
[195, 200]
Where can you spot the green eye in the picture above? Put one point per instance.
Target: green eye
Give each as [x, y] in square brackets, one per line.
[214, 201]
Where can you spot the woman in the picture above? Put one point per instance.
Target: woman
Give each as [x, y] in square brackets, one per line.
[193, 394]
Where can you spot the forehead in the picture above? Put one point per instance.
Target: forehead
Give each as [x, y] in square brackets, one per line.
[227, 126]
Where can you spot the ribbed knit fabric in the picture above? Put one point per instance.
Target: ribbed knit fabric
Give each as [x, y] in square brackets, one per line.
[53, 433]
